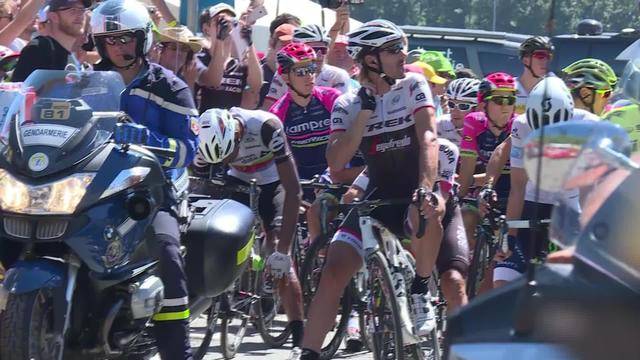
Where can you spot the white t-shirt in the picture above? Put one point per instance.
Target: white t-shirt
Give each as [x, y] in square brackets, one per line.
[447, 130]
[330, 76]
[520, 130]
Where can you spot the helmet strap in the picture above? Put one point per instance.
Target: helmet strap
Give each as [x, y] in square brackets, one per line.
[390, 81]
[531, 70]
[128, 66]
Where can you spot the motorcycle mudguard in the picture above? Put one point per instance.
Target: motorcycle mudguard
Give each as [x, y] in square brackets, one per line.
[27, 276]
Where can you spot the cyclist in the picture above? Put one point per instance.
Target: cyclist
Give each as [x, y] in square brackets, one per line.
[328, 75]
[591, 82]
[164, 115]
[440, 63]
[305, 112]
[396, 134]
[626, 112]
[536, 54]
[253, 144]
[549, 102]
[483, 132]
[453, 257]
[463, 99]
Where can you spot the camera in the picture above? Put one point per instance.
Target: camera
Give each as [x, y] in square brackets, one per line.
[334, 4]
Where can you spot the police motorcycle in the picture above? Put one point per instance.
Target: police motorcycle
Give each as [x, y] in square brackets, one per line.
[588, 306]
[80, 207]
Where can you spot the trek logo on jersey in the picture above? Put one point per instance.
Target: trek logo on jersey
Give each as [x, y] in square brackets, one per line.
[393, 144]
[390, 123]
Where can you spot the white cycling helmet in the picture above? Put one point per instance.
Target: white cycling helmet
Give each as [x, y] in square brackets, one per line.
[310, 33]
[465, 89]
[114, 17]
[217, 135]
[549, 102]
[372, 35]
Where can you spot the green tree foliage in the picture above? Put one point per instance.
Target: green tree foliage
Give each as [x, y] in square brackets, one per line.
[526, 17]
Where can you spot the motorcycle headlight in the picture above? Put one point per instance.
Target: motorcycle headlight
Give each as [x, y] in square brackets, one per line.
[126, 179]
[58, 198]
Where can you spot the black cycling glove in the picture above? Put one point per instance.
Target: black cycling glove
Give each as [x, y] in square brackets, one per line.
[367, 99]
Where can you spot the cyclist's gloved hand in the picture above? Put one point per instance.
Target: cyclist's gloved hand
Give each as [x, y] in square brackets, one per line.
[199, 161]
[367, 99]
[224, 28]
[279, 265]
[130, 133]
[486, 197]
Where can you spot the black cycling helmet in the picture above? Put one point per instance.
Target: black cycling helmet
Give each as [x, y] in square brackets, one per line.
[535, 43]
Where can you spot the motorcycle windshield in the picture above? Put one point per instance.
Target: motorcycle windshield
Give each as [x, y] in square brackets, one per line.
[60, 117]
[602, 223]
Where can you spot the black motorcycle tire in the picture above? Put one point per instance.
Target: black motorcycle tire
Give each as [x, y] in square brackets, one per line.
[23, 322]
[309, 283]
[376, 261]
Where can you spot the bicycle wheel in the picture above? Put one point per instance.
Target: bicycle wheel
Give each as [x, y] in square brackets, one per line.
[478, 264]
[238, 310]
[310, 280]
[213, 313]
[382, 317]
[272, 326]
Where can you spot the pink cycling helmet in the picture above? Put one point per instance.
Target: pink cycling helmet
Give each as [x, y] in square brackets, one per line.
[294, 53]
[495, 81]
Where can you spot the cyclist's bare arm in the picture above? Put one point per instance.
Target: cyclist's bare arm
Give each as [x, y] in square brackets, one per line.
[292, 197]
[343, 145]
[515, 203]
[467, 168]
[425, 124]
[498, 160]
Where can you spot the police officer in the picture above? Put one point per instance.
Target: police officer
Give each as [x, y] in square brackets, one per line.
[164, 115]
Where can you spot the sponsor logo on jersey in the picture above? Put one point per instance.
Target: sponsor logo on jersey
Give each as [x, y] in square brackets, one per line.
[277, 141]
[309, 126]
[467, 138]
[338, 121]
[340, 110]
[393, 144]
[395, 100]
[517, 152]
[390, 123]
[451, 155]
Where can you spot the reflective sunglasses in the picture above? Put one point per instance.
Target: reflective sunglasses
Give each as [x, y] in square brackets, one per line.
[542, 55]
[605, 93]
[303, 71]
[394, 49]
[460, 106]
[73, 9]
[320, 50]
[502, 100]
[174, 47]
[123, 39]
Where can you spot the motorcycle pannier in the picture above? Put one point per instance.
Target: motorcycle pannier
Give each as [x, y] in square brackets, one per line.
[219, 242]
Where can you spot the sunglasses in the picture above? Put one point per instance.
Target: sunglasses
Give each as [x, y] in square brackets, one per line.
[73, 9]
[460, 106]
[502, 100]
[303, 71]
[123, 39]
[542, 55]
[393, 49]
[320, 50]
[174, 47]
[605, 93]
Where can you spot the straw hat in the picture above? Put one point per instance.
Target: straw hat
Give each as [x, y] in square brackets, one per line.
[180, 34]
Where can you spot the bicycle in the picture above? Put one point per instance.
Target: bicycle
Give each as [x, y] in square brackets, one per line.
[384, 256]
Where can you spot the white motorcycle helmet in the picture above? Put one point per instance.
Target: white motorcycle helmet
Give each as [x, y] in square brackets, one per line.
[549, 102]
[217, 135]
[116, 17]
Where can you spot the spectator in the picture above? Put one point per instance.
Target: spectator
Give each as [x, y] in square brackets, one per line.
[52, 52]
[440, 63]
[437, 83]
[232, 79]
[465, 73]
[8, 12]
[20, 22]
[43, 24]
[177, 47]
[414, 55]
[338, 56]
[282, 35]
[284, 18]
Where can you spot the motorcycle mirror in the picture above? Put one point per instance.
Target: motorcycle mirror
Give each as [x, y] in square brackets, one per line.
[573, 154]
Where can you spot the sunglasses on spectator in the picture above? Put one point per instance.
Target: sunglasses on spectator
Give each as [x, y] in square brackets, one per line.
[502, 100]
[394, 49]
[320, 50]
[305, 70]
[542, 55]
[73, 8]
[460, 106]
[605, 93]
[123, 39]
[7, 16]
